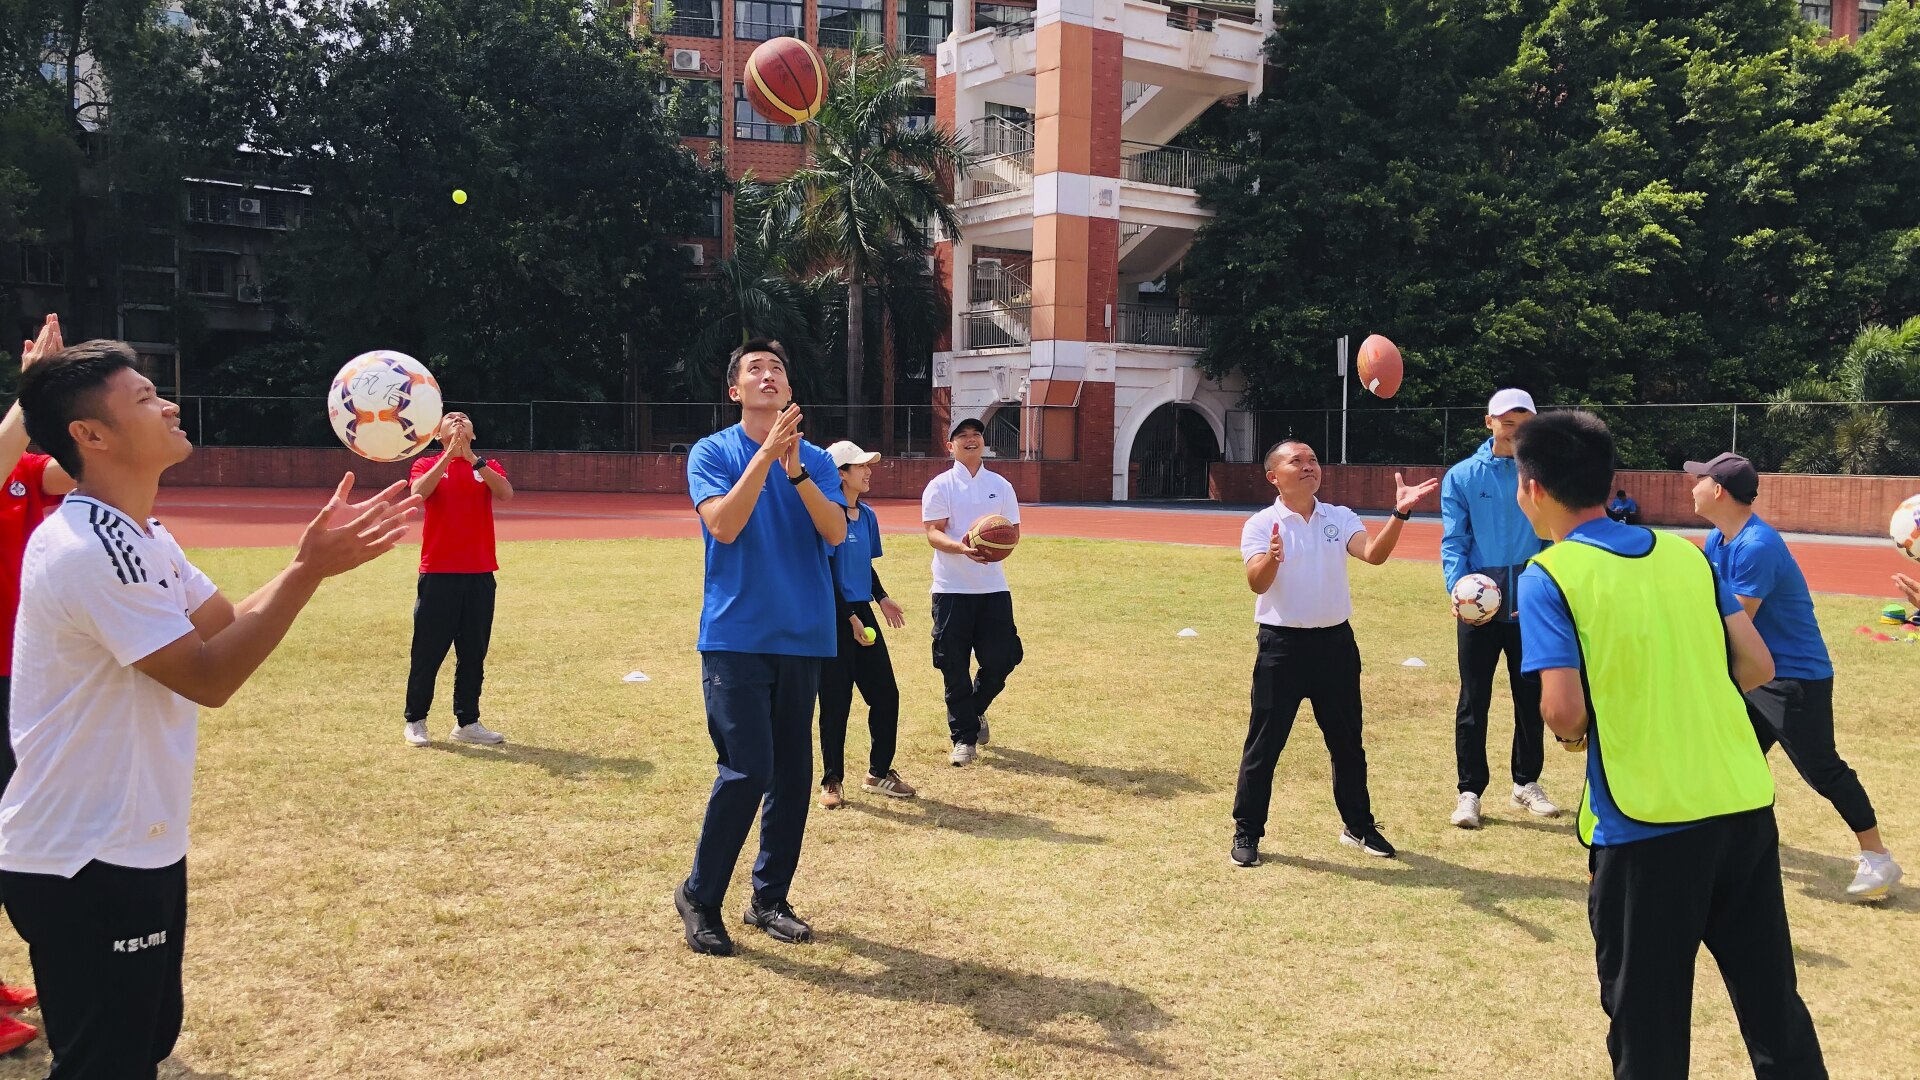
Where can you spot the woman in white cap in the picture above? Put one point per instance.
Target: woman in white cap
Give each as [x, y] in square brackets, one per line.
[862, 658]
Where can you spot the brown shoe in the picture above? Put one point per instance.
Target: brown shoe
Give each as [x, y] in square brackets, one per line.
[830, 797]
[890, 785]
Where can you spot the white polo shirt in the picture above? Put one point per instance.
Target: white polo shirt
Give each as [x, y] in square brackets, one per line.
[106, 753]
[1310, 588]
[961, 498]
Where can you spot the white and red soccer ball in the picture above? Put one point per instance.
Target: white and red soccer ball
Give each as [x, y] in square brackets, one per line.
[384, 405]
[1476, 599]
[1905, 528]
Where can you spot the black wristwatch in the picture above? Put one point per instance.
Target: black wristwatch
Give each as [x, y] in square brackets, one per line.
[798, 477]
[481, 463]
[1403, 517]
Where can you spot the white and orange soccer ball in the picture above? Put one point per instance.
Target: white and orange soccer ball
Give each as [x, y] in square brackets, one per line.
[1905, 528]
[1476, 599]
[385, 405]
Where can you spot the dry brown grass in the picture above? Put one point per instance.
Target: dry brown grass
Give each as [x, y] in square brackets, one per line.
[1064, 908]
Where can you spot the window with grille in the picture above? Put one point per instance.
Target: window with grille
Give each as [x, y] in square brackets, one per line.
[843, 20]
[207, 274]
[42, 266]
[1818, 12]
[749, 124]
[1870, 13]
[710, 226]
[921, 117]
[759, 20]
[698, 111]
[693, 18]
[924, 24]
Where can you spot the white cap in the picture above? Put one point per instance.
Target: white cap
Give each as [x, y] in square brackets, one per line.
[1506, 401]
[845, 453]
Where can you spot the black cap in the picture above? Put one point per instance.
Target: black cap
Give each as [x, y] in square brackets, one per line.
[1730, 471]
[969, 422]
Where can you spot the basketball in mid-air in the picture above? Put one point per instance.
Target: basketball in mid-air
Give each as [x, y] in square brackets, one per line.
[993, 537]
[1380, 367]
[786, 81]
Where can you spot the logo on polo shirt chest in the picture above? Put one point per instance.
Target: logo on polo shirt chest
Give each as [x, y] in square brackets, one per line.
[1332, 532]
[17, 489]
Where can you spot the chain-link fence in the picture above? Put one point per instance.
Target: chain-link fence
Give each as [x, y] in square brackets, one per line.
[1866, 438]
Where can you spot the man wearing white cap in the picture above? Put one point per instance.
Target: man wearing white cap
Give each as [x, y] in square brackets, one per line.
[862, 658]
[1484, 532]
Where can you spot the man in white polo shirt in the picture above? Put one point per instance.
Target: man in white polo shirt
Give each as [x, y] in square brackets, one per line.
[1296, 554]
[119, 637]
[972, 607]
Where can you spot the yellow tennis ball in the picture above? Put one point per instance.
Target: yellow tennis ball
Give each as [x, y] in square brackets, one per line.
[872, 635]
[459, 197]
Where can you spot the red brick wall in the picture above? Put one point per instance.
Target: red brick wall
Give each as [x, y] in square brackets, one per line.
[1831, 505]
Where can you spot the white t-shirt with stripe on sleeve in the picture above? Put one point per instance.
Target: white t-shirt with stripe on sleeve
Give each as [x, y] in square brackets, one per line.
[105, 753]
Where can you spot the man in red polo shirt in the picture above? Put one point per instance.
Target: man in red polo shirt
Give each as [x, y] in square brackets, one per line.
[34, 483]
[455, 600]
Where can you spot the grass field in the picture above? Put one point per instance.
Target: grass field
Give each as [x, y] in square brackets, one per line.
[1064, 908]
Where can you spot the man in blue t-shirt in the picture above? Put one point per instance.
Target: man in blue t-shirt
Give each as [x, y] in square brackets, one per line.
[1796, 708]
[770, 510]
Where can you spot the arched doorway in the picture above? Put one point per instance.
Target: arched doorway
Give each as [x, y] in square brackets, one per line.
[1171, 453]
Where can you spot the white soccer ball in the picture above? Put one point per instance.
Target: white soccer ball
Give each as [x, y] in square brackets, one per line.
[1905, 528]
[384, 405]
[1476, 599]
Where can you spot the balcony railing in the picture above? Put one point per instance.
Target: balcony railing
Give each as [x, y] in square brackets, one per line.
[994, 135]
[999, 328]
[1000, 174]
[752, 30]
[692, 25]
[1172, 166]
[1005, 287]
[1151, 324]
[1006, 20]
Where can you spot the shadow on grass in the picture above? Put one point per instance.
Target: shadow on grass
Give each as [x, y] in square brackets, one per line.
[1481, 890]
[1561, 826]
[988, 824]
[1825, 877]
[1000, 1001]
[1153, 783]
[172, 1069]
[563, 764]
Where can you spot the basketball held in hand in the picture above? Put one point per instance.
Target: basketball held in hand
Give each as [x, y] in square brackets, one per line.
[786, 81]
[993, 537]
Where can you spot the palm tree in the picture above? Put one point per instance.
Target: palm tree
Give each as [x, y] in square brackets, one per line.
[874, 185]
[760, 292]
[1881, 363]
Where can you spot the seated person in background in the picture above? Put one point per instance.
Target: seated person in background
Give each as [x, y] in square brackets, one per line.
[1623, 509]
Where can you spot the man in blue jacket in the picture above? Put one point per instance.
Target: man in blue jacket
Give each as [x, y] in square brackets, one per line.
[1485, 533]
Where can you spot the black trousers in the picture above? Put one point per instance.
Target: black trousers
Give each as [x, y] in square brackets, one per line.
[106, 947]
[1798, 714]
[967, 626]
[1652, 905]
[450, 610]
[1293, 665]
[1480, 649]
[870, 668]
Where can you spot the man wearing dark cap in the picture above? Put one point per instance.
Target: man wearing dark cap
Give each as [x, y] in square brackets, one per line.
[972, 606]
[1796, 708]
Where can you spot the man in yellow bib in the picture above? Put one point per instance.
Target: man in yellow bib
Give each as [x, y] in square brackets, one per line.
[1642, 654]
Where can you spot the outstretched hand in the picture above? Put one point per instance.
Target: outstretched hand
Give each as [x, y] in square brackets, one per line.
[1910, 587]
[45, 344]
[372, 528]
[1406, 498]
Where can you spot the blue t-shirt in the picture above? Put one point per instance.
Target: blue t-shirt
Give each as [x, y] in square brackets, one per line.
[770, 591]
[1756, 563]
[1548, 640]
[853, 560]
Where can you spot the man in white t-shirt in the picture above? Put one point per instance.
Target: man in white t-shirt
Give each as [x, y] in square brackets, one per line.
[972, 607]
[1296, 554]
[119, 639]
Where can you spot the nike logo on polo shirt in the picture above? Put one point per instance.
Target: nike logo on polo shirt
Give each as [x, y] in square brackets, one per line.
[1484, 495]
[993, 494]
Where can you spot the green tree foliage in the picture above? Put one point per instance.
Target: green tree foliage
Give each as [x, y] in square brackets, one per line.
[1881, 364]
[1599, 200]
[557, 278]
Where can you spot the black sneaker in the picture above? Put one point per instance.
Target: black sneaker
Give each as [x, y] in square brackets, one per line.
[779, 921]
[1246, 849]
[1369, 840]
[706, 930]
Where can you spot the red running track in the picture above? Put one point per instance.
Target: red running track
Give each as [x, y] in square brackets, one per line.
[273, 517]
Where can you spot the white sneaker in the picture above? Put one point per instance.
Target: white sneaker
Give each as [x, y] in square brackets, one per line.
[417, 733]
[477, 732]
[984, 740]
[1878, 873]
[1466, 812]
[963, 753]
[1533, 799]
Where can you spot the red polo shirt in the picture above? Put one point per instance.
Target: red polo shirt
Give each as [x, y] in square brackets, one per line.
[23, 505]
[459, 527]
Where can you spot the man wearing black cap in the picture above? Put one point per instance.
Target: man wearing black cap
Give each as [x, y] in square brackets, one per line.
[1796, 708]
[972, 606]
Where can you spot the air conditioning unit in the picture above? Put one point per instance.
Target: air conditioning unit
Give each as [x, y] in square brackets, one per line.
[249, 206]
[696, 255]
[686, 59]
[248, 294]
[1006, 384]
[987, 269]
